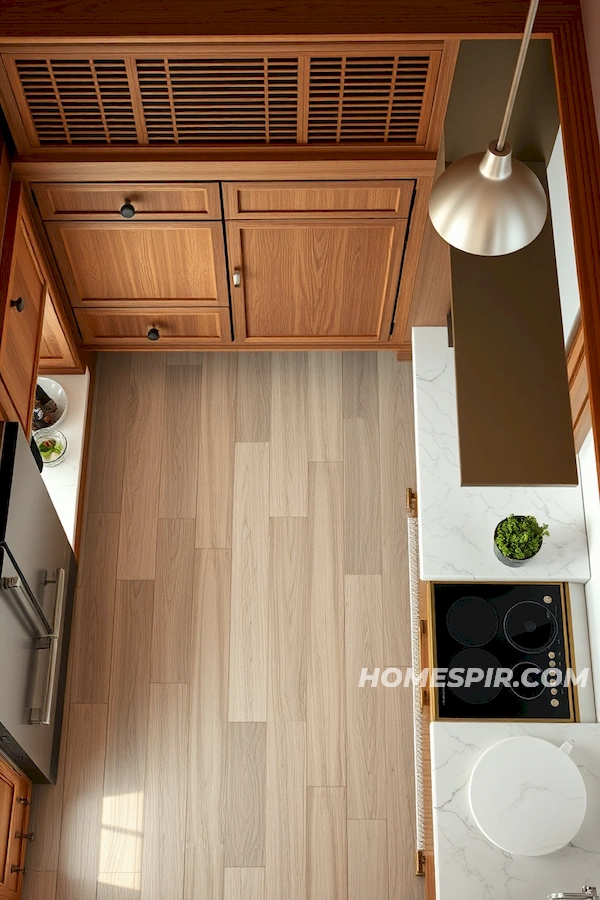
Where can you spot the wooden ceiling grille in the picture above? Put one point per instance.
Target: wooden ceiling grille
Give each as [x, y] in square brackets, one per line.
[366, 99]
[219, 101]
[276, 97]
[78, 101]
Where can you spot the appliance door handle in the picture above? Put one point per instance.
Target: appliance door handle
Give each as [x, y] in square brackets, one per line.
[28, 600]
[46, 709]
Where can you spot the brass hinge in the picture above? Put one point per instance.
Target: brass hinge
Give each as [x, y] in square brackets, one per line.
[420, 862]
[411, 502]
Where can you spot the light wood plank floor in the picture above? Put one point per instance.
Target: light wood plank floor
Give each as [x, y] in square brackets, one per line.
[244, 556]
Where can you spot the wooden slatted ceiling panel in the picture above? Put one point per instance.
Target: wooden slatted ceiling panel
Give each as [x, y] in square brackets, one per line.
[79, 101]
[224, 101]
[366, 99]
[241, 100]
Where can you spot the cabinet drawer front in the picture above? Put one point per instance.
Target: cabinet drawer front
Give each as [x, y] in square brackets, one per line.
[261, 200]
[150, 200]
[145, 263]
[177, 328]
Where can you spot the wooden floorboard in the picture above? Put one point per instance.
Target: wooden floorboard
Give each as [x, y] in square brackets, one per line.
[209, 700]
[216, 451]
[83, 799]
[127, 737]
[173, 600]
[253, 401]
[144, 447]
[289, 434]
[165, 793]
[248, 672]
[246, 796]
[326, 674]
[365, 728]
[243, 558]
[327, 849]
[179, 464]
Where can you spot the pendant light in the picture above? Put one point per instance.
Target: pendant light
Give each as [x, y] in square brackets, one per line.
[491, 204]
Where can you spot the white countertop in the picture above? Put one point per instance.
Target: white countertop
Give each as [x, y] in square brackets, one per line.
[456, 524]
[467, 865]
[63, 480]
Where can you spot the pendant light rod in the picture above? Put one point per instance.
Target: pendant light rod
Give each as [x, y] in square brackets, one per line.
[518, 72]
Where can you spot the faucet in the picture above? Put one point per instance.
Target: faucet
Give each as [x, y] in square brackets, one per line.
[586, 891]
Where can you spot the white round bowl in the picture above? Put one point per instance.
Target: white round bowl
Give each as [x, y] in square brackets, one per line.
[57, 393]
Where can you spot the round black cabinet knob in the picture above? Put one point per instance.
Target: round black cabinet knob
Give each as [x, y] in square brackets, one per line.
[19, 304]
[153, 334]
[127, 210]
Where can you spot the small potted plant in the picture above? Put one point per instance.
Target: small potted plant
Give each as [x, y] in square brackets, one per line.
[518, 538]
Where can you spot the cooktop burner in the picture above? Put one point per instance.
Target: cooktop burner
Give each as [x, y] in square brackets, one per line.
[478, 692]
[530, 627]
[472, 621]
[501, 651]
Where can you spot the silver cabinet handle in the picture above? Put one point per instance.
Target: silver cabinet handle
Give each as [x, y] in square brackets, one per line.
[42, 717]
[237, 278]
[28, 601]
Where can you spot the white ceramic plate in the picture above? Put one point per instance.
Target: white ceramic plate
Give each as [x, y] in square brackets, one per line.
[527, 796]
[57, 393]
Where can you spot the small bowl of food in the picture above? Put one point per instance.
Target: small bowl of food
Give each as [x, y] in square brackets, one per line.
[50, 406]
[52, 445]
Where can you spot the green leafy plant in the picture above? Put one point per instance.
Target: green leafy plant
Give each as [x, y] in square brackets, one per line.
[520, 537]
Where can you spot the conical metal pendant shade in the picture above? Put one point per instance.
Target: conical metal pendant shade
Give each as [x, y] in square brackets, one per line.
[488, 203]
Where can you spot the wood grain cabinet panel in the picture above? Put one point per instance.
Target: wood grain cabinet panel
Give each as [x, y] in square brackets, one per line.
[324, 199]
[22, 294]
[299, 280]
[143, 264]
[14, 816]
[151, 200]
[58, 353]
[127, 329]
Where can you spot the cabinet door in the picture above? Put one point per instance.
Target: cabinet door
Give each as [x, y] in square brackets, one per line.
[22, 292]
[301, 281]
[141, 263]
[150, 200]
[58, 354]
[14, 788]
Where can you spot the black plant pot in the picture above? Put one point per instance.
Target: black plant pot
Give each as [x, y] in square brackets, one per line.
[511, 563]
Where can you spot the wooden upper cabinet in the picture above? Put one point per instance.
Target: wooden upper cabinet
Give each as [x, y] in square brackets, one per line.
[320, 199]
[299, 281]
[141, 263]
[153, 200]
[22, 295]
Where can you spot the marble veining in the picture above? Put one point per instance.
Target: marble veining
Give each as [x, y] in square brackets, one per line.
[456, 524]
[467, 865]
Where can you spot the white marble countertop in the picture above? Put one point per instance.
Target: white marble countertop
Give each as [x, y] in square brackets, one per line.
[467, 865]
[456, 524]
[63, 480]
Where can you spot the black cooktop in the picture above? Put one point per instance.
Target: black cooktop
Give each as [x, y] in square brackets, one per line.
[517, 634]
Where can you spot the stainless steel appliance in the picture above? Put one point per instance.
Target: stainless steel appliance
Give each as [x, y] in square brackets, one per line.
[37, 581]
